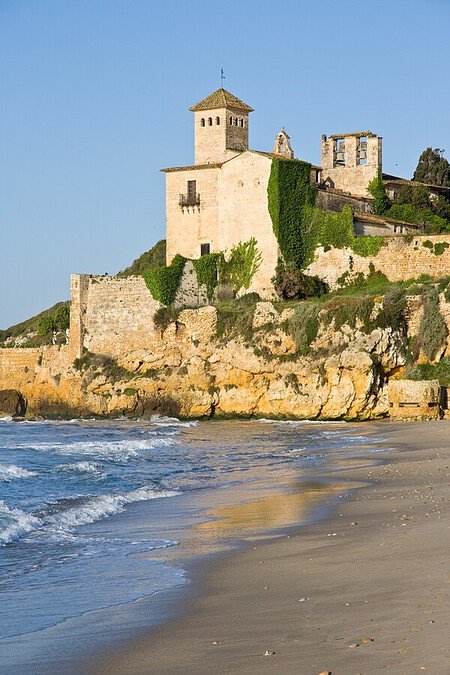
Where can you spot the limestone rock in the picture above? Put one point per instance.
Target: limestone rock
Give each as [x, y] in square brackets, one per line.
[12, 403]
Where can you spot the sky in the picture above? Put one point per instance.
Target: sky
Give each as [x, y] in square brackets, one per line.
[94, 99]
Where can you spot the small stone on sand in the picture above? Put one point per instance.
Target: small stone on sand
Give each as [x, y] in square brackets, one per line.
[303, 599]
[216, 642]
[367, 640]
[267, 653]
[353, 645]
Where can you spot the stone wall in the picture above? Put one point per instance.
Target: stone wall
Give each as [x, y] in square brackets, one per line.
[352, 177]
[334, 201]
[409, 399]
[400, 258]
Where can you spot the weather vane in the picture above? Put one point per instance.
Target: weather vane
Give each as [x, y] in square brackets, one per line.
[222, 77]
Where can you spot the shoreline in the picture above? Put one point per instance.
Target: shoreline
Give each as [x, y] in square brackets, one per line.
[271, 595]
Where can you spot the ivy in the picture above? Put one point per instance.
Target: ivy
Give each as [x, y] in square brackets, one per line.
[163, 282]
[206, 270]
[243, 263]
[289, 190]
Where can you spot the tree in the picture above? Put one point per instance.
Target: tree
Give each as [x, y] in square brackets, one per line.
[433, 168]
[377, 189]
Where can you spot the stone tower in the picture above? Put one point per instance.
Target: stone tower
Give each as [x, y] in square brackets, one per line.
[283, 145]
[221, 127]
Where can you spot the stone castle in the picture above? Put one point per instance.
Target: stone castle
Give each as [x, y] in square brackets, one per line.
[221, 199]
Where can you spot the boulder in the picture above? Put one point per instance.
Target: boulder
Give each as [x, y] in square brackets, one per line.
[12, 403]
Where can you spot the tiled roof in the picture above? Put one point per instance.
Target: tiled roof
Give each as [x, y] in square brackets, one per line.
[192, 167]
[221, 99]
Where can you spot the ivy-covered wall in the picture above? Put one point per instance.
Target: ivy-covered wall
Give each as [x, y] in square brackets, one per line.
[290, 190]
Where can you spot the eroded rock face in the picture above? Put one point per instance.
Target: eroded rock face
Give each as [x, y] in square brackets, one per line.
[12, 403]
[188, 371]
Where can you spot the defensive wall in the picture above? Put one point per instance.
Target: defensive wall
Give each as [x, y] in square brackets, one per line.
[399, 259]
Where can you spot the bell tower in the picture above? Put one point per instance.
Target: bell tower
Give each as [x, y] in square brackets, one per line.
[221, 127]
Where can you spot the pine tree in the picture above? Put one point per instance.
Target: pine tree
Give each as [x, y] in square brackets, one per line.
[433, 168]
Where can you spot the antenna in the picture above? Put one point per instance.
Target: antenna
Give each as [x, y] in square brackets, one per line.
[222, 77]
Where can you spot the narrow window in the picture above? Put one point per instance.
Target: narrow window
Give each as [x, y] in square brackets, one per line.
[191, 192]
[361, 151]
[339, 151]
[217, 120]
[235, 121]
[202, 122]
[205, 249]
[242, 121]
[210, 121]
[231, 121]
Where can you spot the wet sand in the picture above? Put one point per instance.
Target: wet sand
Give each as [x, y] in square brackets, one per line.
[364, 591]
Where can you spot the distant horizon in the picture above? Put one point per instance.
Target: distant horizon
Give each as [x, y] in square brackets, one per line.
[95, 101]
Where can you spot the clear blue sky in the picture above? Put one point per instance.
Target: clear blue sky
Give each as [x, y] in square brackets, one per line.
[94, 98]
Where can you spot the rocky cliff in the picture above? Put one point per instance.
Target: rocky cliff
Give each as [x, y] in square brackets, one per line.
[193, 368]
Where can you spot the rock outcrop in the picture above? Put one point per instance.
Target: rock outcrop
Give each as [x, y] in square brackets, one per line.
[12, 403]
[189, 371]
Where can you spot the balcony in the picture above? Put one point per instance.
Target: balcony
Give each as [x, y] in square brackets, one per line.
[190, 199]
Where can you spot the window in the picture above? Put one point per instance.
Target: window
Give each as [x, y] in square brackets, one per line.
[231, 121]
[235, 121]
[191, 188]
[242, 121]
[361, 150]
[217, 120]
[202, 122]
[339, 152]
[210, 121]
[205, 249]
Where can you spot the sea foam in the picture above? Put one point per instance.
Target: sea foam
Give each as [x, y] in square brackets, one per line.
[11, 472]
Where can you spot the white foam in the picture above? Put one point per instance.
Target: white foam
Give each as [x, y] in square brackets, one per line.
[15, 524]
[7, 418]
[12, 472]
[161, 421]
[101, 507]
[81, 467]
[299, 422]
[104, 449]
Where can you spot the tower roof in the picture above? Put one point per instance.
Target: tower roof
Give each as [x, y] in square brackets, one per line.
[221, 99]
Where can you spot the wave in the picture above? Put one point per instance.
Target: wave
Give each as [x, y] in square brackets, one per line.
[104, 449]
[12, 472]
[265, 420]
[101, 507]
[7, 418]
[81, 467]
[16, 524]
[161, 421]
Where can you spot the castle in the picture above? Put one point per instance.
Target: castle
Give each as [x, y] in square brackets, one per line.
[221, 199]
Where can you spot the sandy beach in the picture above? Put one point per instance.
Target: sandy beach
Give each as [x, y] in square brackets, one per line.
[363, 591]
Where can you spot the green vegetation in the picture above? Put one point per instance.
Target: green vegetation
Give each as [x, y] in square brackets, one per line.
[243, 263]
[438, 248]
[428, 371]
[206, 269]
[377, 189]
[433, 168]
[164, 316]
[235, 318]
[433, 329]
[155, 257]
[163, 282]
[291, 284]
[289, 190]
[303, 326]
[55, 317]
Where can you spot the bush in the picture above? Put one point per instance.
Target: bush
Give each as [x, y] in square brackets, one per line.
[206, 271]
[248, 299]
[433, 329]
[346, 311]
[393, 311]
[243, 263]
[292, 284]
[303, 326]
[164, 316]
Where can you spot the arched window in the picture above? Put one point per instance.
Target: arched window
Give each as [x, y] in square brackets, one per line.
[231, 121]
[235, 121]
[217, 120]
[242, 121]
[210, 121]
[202, 122]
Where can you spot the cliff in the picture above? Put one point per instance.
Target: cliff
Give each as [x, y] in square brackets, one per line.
[202, 366]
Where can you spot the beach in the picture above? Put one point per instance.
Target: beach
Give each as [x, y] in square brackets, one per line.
[364, 590]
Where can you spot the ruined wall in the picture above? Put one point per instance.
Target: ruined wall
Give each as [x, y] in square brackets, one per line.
[400, 258]
[409, 399]
[351, 177]
[334, 201]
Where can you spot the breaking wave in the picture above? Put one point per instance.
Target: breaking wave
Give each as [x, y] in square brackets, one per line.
[108, 450]
[15, 524]
[12, 472]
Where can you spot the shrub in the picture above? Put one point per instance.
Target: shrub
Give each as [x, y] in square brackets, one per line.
[235, 319]
[292, 284]
[440, 247]
[346, 311]
[248, 299]
[433, 329]
[427, 371]
[393, 311]
[164, 316]
[303, 326]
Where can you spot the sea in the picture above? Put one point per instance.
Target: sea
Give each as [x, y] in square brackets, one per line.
[100, 519]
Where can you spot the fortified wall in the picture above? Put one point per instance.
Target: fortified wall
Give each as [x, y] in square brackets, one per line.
[399, 259]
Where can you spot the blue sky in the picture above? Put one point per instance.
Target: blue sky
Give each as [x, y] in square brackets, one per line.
[94, 98]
